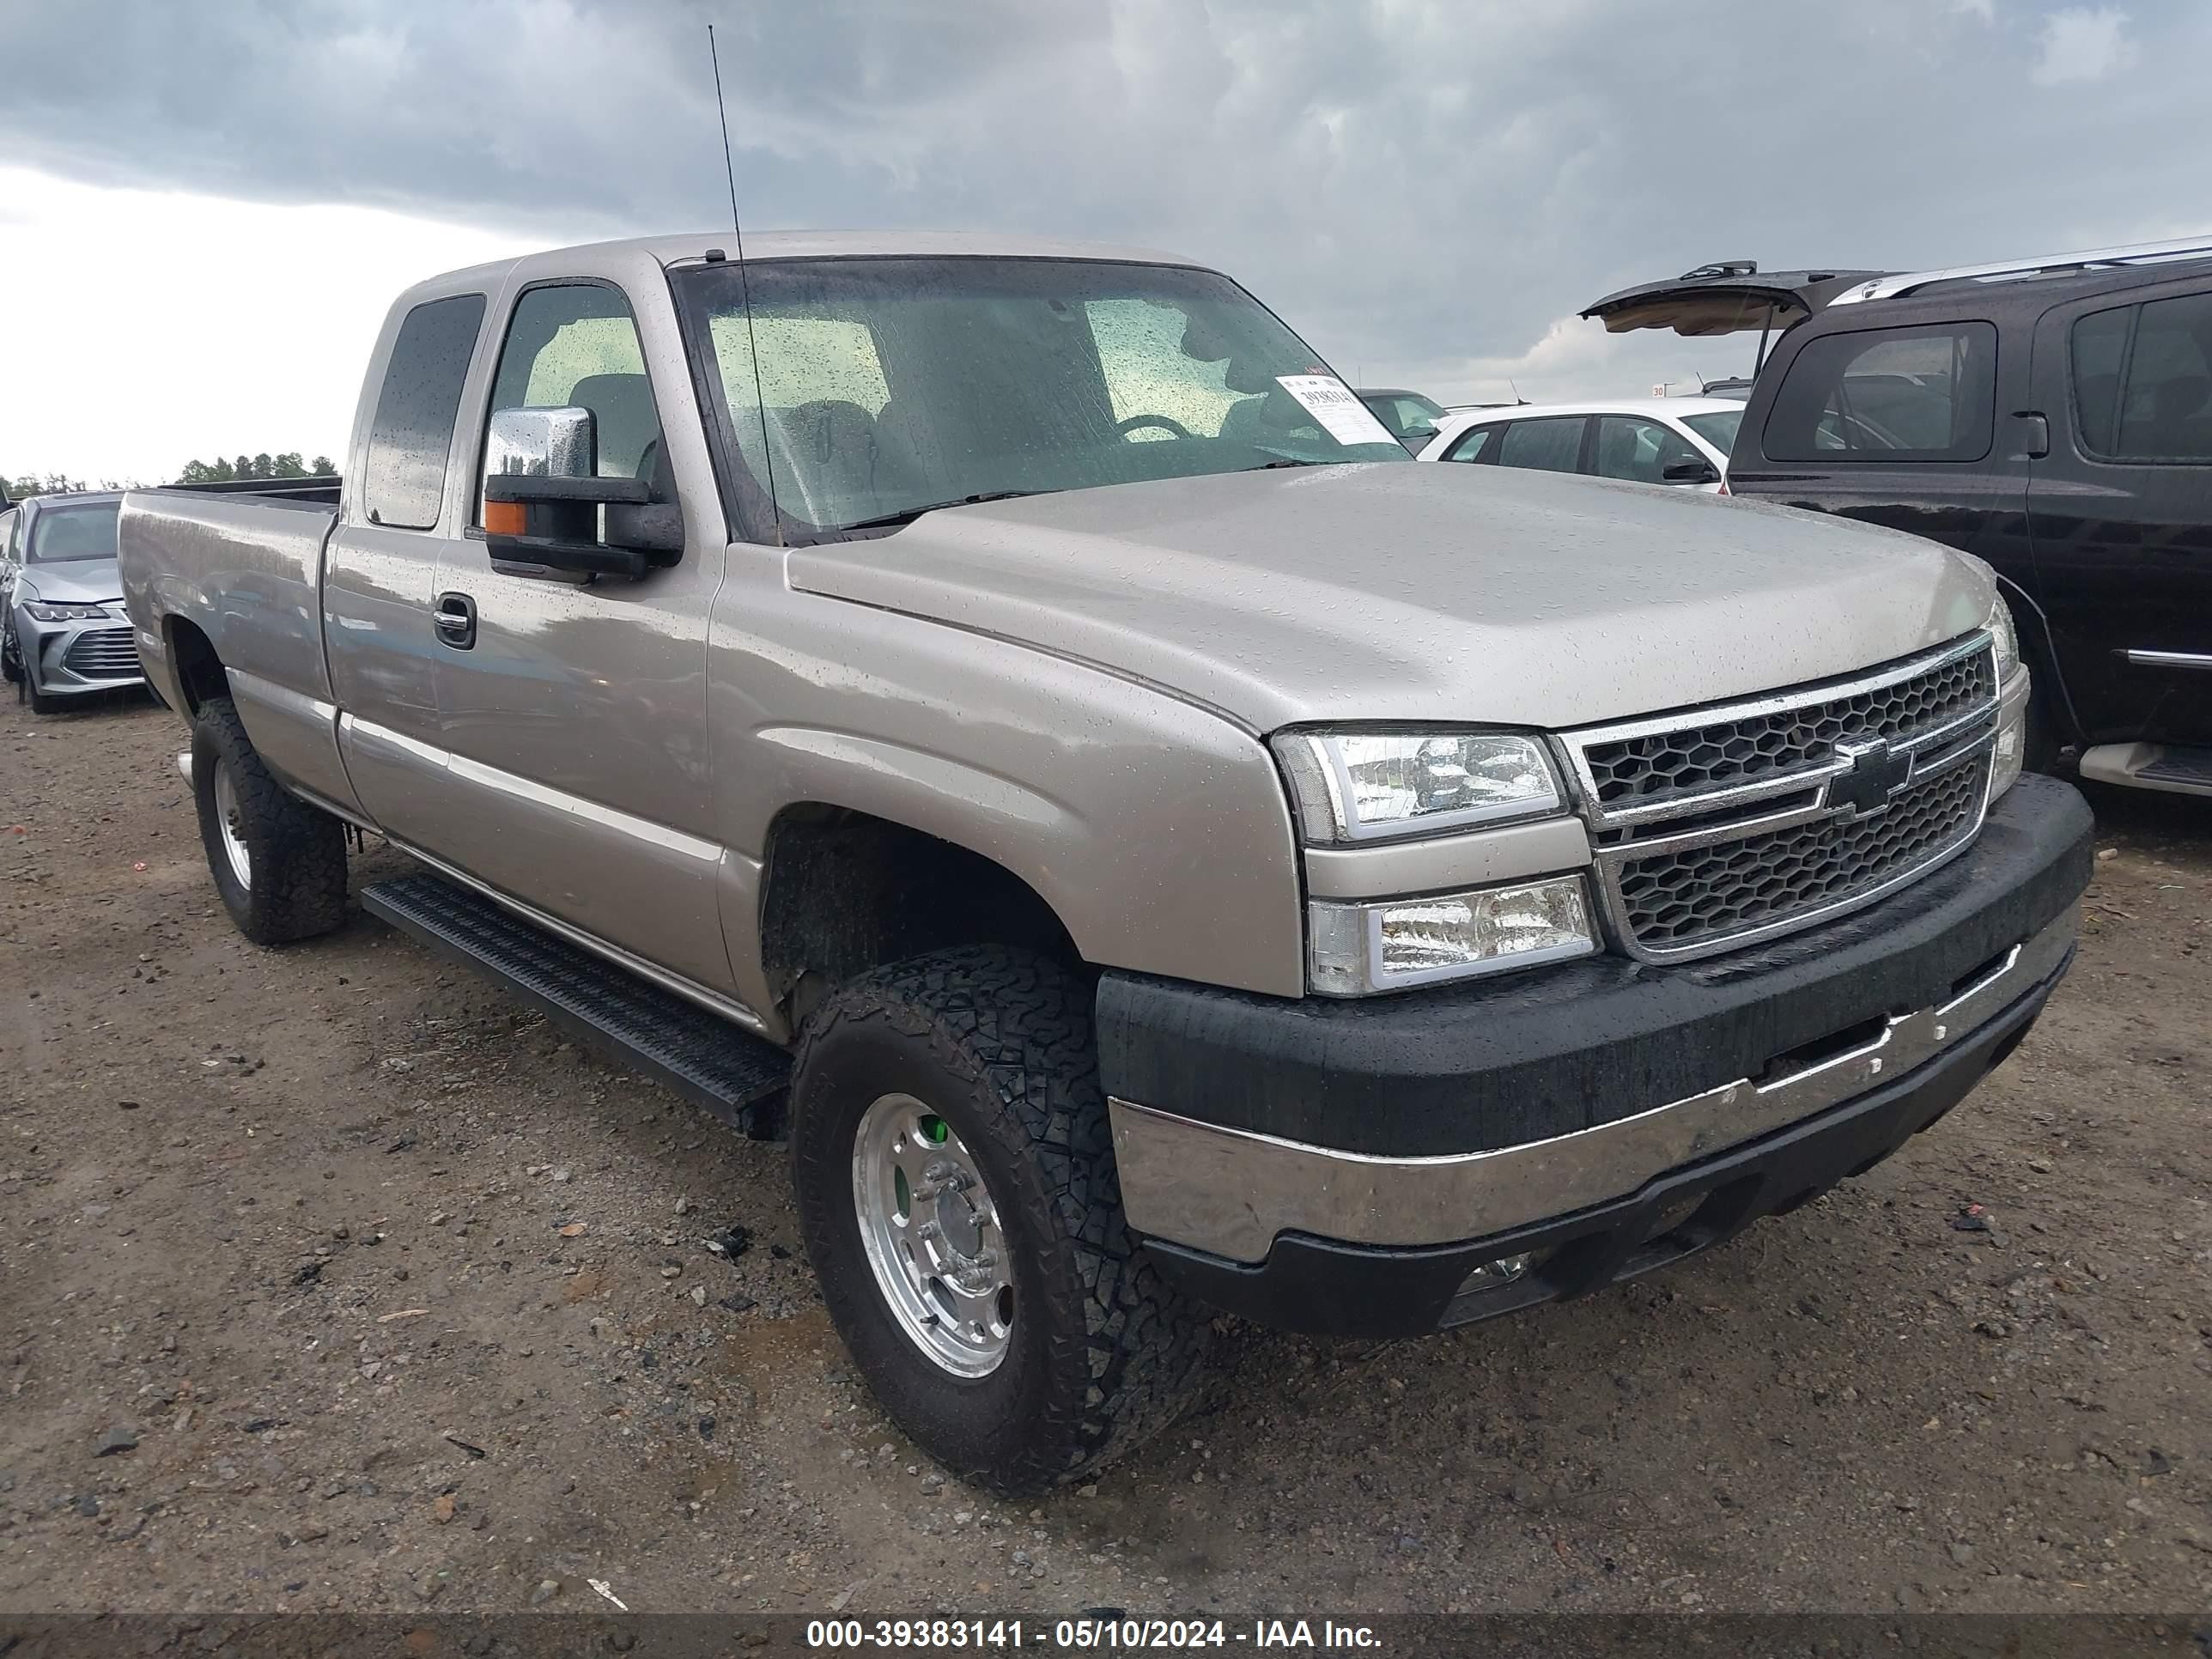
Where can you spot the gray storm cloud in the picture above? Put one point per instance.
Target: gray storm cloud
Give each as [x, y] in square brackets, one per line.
[1413, 183]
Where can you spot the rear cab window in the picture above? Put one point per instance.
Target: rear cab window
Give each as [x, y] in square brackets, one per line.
[2142, 380]
[1923, 393]
[403, 475]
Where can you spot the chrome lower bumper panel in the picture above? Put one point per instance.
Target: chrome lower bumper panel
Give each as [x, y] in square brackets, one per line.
[1230, 1191]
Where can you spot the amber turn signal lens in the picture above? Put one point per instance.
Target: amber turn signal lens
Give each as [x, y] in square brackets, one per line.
[504, 518]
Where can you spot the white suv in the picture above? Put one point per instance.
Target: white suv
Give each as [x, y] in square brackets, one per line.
[1681, 441]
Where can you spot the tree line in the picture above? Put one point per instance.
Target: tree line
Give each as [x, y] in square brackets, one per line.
[290, 464]
[264, 465]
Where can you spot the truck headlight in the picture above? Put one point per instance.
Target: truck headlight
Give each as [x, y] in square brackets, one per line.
[2006, 639]
[59, 613]
[1367, 785]
[1392, 944]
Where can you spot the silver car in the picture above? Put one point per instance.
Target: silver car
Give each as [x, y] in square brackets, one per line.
[64, 634]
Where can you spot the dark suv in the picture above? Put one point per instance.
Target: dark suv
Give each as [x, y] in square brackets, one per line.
[2053, 416]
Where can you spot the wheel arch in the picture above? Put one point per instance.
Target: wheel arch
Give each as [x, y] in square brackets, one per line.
[195, 664]
[844, 891]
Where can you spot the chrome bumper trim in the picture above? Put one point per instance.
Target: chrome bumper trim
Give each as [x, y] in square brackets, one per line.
[1230, 1191]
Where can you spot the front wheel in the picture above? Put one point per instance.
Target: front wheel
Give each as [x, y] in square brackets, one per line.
[959, 1202]
[27, 687]
[11, 656]
[279, 863]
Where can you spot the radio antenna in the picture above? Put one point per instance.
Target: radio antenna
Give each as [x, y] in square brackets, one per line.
[745, 284]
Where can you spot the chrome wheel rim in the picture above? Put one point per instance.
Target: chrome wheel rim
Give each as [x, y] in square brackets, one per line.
[931, 1231]
[234, 839]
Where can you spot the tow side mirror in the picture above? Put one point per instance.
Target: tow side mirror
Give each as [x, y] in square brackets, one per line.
[1695, 470]
[543, 502]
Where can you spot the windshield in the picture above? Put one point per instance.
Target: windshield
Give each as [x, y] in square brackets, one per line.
[1717, 428]
[61, 533]
[891, 386]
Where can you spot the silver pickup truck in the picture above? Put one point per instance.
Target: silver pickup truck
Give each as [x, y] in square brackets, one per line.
[1002, 716]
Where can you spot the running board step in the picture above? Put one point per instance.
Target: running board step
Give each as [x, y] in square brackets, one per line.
[2180, 766]
[737, 1075]
[2177, 769]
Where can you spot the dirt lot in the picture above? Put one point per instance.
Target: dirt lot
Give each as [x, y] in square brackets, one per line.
[398, 1296]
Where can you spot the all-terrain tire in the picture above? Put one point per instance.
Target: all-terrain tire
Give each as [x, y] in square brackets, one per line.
[1101, 1353]
[296, 885]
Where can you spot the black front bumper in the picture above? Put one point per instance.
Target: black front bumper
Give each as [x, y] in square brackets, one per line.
[1505, 1067]
[1328, 1288]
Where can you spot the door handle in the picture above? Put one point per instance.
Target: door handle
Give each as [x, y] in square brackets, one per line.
[454, 616]
[2034, 432]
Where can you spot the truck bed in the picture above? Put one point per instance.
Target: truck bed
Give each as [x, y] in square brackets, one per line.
[233, 577]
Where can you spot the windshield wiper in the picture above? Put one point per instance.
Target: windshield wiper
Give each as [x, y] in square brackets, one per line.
[908, 515]
[1269, 467]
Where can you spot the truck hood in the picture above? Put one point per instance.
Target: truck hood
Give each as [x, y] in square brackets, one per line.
[1419, 593]
[73, 581]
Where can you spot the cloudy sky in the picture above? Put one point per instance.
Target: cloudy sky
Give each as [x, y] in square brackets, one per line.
[205, 208]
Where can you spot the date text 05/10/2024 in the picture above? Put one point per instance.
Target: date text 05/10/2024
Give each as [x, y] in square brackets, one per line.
[1103, 1634]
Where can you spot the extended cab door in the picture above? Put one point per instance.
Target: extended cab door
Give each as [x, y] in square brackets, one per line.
[573, 713]
[2120, 512]
[380, 565]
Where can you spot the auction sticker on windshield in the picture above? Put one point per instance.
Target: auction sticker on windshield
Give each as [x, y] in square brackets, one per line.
[1332, 403]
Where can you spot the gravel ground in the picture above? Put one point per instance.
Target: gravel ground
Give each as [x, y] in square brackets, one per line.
[331, 1278]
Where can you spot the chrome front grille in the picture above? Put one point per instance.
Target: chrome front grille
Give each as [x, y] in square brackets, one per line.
[103, 653]
[1671, 900]
[1719, 826]
[1657, 766]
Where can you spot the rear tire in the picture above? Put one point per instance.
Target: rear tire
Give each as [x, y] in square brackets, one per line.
[1095, 1353]
[279, 863]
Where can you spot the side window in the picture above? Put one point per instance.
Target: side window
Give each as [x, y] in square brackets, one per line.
[403, 479]
[2143, 380]
[575, 344]
[1477, 444]
[2099, 349]
[8, 537]
[1639, 450]
[1891, 394]
[1555, 445]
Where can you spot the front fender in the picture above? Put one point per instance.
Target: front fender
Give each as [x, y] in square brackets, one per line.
[1159, 832]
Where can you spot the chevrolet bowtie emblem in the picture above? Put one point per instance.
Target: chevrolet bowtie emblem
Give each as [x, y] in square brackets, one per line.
[1875, 773]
